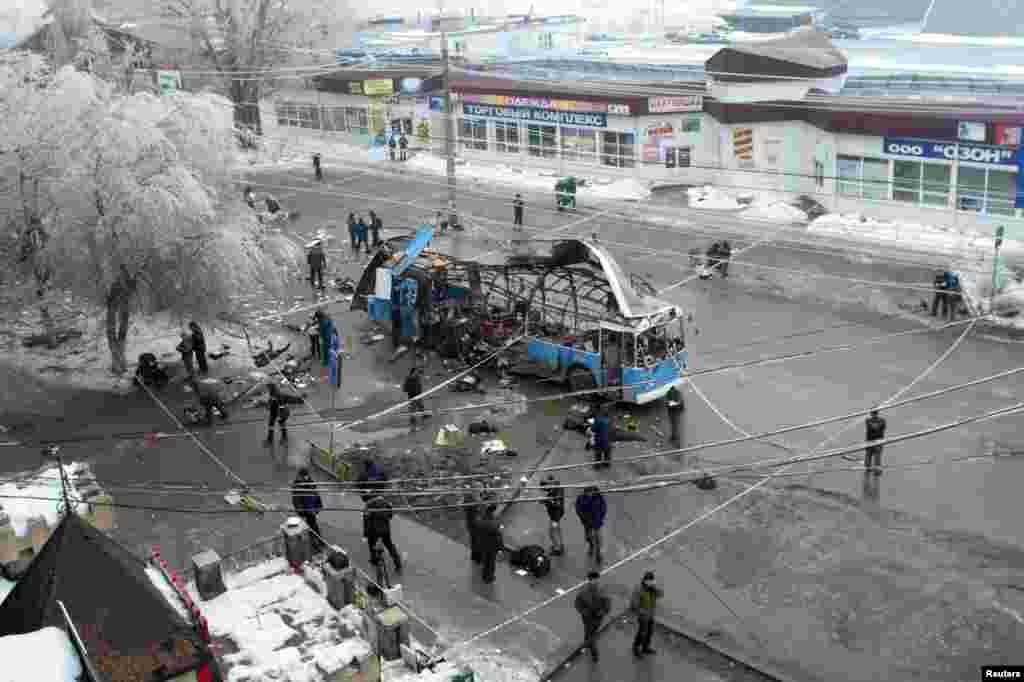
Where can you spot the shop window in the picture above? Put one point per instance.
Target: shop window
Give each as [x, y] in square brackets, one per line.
[678, 157]
[691, 124]
[935, 184]
[541, 141]
[849, 171]
[617, 149]
[875, 178]
[819, 174]
[506, 135]
[473, 133]
[986, 190]
[334, 119]
[309, 115]
[906, 181]
[579, 144]
[288, 114]
[358, 120]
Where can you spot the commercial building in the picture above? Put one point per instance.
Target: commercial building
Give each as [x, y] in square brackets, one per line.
[895, 158]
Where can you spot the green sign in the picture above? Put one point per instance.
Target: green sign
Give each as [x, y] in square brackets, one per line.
[167, 82]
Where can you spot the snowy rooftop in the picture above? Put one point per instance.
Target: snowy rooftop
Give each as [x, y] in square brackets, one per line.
[45, 655]
[276, 624]
[44, 487]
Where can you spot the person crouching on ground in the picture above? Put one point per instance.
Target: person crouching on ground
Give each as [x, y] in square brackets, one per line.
[209, 400]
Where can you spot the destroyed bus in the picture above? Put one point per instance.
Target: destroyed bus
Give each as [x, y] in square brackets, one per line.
[578, 317]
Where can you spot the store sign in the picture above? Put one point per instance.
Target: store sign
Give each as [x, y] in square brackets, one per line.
[355, 88]
[616, 109]
[1007, 136]
[378, 87]
[665, 105]
[972, 132]
[922, 149]
[743, 144]
[535, 115]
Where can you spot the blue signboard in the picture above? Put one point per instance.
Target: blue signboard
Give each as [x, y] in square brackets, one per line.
[532, 115]
[964, 151]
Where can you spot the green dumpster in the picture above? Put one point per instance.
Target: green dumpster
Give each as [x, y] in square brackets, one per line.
[565, 193]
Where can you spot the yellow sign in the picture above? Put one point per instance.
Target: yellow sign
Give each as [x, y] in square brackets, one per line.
[355, 88]
[378, 87]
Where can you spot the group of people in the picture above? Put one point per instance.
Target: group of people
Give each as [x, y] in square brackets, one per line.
[948, 294]
[360, 231]
[401, 144]
[718, 256]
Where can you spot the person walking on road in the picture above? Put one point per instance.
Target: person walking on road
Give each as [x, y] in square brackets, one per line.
[377, 528]
[199, 346]
[593, 605]
[328, 334]
[392, 145]
[555, 506]
[186, 348]
[371, 480]
[602, 439]
[317, 260]
[489, 541]
[317, 170]
[517, 210]
[307, 503]
[362, 235]
[403, 146]
[277, 414]
[376, 225]
[873, 453]
[592, 509]
[939, 297]
[413, 387]
[353, 233]
[644, 601]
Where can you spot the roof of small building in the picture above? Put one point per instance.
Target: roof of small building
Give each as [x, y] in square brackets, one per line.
[803, 50]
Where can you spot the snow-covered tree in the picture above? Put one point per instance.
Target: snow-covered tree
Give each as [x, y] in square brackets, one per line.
[141, 211]
[245, 37]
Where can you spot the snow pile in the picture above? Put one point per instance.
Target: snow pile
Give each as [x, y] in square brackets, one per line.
[627, 189]
[489, 665]
[167, 590]
[282, 626]
[35, 496]
[45, 655]
[711, 198]
[904, 235]
[770, 208]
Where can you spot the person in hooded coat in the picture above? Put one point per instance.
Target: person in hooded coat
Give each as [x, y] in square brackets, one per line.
[591, 508]
[199, 346]
[593, 605]
[377, 528]
[307, 503]
[362, 235]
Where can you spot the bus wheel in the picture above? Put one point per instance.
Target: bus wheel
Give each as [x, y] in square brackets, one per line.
[580, 379]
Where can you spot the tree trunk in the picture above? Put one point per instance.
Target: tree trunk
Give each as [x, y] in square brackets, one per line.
[246, 95]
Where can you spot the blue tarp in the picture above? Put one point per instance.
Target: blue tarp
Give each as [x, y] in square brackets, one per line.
[424, 233]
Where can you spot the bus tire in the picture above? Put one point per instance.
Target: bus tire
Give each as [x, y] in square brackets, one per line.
[580, 379]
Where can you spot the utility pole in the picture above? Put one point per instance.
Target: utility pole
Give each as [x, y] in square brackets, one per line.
[53, 452]
[449, 128]
[1000, 231]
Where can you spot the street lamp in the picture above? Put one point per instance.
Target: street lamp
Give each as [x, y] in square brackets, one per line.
[1000, 231]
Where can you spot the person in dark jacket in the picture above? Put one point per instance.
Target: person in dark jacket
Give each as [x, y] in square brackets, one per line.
[317, 170]
[362, 234]
[307, 503]
[209, 400]
[377, 527]
[186, 347]
[313, 332]
[403, 146]
[317, 260]
[555, 506]
[371, 480]
[951, 283]
[643, 604]
[873, 453]
[277, 414]
[592, 509]
[593, 605]
[199, 346]
[376, 225]
[939, 297]
[602, 439]
[517, 210]
[413, 387]
[392, 145]
[489, 541]
[353, 232]
[327, 332]
[725, 253]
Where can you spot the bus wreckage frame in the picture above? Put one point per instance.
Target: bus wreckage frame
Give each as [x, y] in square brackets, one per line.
[583, 320]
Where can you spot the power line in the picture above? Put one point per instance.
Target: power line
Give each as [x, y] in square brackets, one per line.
[893, 404]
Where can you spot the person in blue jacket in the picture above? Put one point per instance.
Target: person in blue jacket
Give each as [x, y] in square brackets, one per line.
[362, 235]
[592, 508]
[327, 332]
[602, 440]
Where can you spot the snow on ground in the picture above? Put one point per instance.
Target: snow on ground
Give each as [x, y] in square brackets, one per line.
[45, 485]
[762, 206]
[167, 590]
[283, 627]
[45, 655]
[490, 665]
[535, 179]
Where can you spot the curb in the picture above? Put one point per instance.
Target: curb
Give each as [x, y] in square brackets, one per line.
[566, 655]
